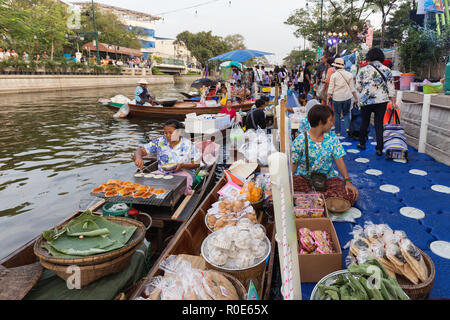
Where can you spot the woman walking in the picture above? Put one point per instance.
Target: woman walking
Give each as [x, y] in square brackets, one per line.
[340, 92]
[375, 86]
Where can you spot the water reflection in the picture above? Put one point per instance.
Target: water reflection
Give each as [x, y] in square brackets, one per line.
[55, 147]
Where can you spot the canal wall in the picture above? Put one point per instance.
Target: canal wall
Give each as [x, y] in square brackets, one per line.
[44, 83]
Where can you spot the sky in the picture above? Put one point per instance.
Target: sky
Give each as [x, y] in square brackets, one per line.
[259, 21]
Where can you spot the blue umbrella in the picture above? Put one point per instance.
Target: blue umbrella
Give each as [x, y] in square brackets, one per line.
[240, 55]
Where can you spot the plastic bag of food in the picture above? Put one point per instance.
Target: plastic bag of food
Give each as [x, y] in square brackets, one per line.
[414, 259]
[123, 111]
[395, 256]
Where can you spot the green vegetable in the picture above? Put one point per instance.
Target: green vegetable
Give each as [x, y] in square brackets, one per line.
[390, 288]
[345, 292]
[333, 294]
[399, 291]
[374, 294]
[385, 292]
[377, 263]
[360, 292]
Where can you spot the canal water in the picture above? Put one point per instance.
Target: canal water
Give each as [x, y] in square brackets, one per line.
[55, 148]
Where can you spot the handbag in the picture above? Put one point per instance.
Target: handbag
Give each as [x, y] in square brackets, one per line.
[316, 180]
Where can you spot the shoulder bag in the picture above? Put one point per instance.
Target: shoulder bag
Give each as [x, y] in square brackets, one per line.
[316, 180]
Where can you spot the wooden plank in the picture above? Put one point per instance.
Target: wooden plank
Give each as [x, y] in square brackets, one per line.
[181, 207]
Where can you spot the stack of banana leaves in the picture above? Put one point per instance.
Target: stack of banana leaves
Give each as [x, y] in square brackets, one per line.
[86, 235]
[367, 281]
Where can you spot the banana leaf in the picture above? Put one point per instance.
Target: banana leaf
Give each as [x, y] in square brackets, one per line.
[99, 236]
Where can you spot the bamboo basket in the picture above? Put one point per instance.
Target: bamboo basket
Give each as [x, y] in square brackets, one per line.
[133, 243]
[90, 273]
[420, 291]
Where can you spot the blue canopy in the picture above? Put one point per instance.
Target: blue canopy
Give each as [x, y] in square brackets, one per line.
[240, 55]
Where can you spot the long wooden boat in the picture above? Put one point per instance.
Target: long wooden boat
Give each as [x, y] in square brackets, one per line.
[189, 238]
[178, 111]
[158, 234]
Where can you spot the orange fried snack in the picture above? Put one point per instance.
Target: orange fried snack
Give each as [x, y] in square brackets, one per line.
[125, 193]
[148, 194]
[97, 190]
[139, 194]
[159, 191]
[111, 193]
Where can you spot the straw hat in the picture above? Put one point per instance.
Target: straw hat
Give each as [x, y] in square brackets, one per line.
[142, 81]
[339, 63]
[16, 282]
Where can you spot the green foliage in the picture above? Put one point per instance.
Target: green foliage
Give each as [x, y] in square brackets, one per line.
[192, 73]
[112, 30]
[423, 47]
[203, 45]
[295, 57]
[236, 41]
[399, 22]
[156, 71]
[342, 16]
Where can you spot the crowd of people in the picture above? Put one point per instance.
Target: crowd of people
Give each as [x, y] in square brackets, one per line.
[6, 54]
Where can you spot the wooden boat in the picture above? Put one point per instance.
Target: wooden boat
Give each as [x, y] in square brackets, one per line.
[178, 111]
[190, 235]
[155, 234]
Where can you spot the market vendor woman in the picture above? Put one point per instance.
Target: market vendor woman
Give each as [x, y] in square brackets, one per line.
[172, 147]
[323, 148]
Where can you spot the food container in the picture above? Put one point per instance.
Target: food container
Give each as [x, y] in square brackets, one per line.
[107, 212]
[314, 267]
[169, 166]
[338, 205]
[329, 280]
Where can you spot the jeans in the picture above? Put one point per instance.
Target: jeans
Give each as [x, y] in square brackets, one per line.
[345, 107]
[366, 111]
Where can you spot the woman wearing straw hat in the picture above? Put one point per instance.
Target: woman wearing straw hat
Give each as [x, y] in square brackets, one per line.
[340, 91]
[141, 95]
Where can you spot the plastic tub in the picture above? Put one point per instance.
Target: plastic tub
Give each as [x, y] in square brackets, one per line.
[432, 88]
[107, 212]
[405, 80]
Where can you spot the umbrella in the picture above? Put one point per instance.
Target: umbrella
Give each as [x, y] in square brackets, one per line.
[240, 55]
[203, 82]
[229, 64]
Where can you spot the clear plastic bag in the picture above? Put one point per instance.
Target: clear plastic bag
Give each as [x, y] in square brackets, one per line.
[123, 111]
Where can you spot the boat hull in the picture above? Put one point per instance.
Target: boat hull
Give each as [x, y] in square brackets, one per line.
[178, 111]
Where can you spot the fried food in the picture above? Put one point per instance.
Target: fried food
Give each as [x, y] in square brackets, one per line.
[97, 190]
[112, 193]
[139, 194]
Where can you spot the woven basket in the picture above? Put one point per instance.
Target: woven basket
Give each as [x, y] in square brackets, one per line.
[244, 276]
[338, 205]
[422, 290]
[133, 243]
[94, 272]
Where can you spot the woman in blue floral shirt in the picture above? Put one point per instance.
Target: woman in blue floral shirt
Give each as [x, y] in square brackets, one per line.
[172, 148]
[375, 85]
[323, 149]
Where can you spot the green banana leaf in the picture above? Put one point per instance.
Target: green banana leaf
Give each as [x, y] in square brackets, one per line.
[99, 236]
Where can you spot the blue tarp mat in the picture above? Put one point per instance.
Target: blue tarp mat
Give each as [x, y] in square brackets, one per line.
[383, 207]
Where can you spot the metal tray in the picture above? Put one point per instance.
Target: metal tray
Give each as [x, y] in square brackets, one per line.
[174, 187]
[206, 256]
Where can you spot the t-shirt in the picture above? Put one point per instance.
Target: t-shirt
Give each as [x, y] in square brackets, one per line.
[232, 112]
[307, 72]
[321, 154]
[259, 118]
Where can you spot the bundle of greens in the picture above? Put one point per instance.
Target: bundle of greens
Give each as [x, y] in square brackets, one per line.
[367, 281]
[86, 235]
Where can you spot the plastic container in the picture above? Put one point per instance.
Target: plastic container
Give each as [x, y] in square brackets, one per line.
[107, 212]
[432, 88]
[405, 80]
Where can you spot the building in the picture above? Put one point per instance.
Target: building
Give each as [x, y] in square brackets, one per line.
[175, 51]
[131, 19]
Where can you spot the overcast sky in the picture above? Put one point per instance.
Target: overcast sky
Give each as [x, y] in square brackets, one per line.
[259, 21]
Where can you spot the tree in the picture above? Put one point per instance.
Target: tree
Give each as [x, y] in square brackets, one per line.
[385, 7]
[112, 30]
[398, 22]
[345, 16]
[204, 45]
[296, 57]
[236, 41]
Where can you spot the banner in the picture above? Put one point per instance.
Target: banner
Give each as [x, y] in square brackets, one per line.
[421, 7]
[434, 6]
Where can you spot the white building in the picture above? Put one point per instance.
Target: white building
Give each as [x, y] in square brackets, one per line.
[131, 19]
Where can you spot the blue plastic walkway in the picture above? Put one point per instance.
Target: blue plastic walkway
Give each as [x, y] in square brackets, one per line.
[383, 207]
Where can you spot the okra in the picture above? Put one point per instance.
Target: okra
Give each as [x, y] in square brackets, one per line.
[333, 294]
[360, 289]
[385, 292]
[390, 289]
[399, 291]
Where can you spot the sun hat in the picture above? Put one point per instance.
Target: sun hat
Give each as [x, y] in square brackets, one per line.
[142, 81]
[339, 63]
[16, 282]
